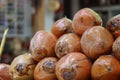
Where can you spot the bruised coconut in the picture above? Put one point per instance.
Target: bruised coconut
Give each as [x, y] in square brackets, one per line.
[113, 25]
[96, 41]
[84, 19]
[106, 67]
[67, 43]
[74, 66]
[42, 45]
[116, 48]
[62, 26]
[45, 69]
[4, 71]
[22, 67]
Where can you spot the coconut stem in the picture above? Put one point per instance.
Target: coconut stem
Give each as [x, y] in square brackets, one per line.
[3, 41]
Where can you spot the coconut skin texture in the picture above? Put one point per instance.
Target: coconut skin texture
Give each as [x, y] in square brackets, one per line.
[116, 48]
[42, 45]
[45, 69]
[67, 43]
[106, 67]
[4, 71]
[85, 18]
[22, 67]
[62, 26]
[96, 41]
[73, 66]
[113, 25]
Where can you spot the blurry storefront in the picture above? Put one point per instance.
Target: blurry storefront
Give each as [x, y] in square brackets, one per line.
[17, 16]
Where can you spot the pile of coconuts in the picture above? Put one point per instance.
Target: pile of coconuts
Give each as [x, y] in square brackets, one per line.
[78, 49]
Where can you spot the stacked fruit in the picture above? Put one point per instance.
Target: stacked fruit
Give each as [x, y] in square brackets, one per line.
[78, 49]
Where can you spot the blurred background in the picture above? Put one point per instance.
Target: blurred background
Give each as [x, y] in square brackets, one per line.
[25, 17]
